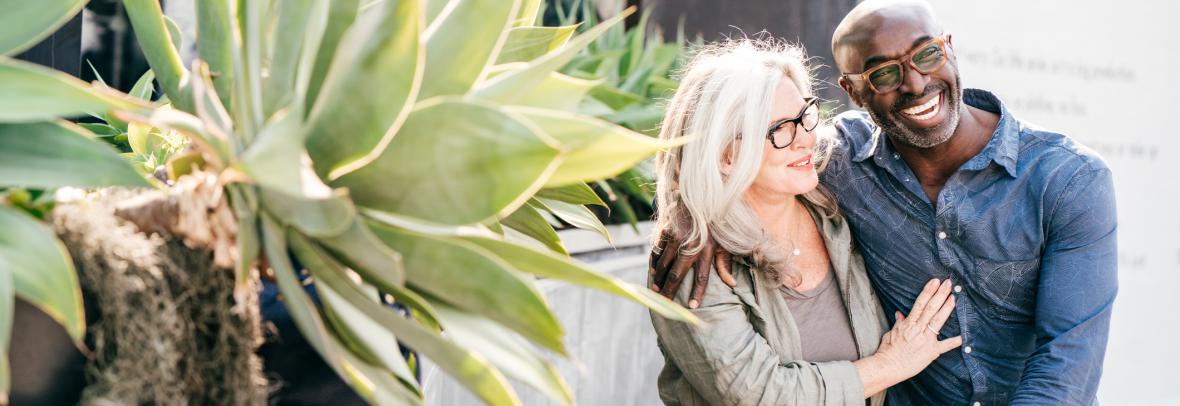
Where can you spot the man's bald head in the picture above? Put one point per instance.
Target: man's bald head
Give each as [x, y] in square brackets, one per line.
[864, 24]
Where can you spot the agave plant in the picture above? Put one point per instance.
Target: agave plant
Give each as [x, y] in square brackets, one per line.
[391, 147]
[634, 74]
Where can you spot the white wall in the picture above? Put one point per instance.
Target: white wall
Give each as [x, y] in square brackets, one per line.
[1105, 73]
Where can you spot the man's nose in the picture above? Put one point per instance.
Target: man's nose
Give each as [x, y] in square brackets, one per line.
[912, 81]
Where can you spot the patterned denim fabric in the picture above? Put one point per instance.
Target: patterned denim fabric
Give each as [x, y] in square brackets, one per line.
[1025, 230]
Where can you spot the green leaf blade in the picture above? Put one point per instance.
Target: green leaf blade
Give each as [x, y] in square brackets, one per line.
[30, 92]
[463, 43]
[527, 43]
[49, 155]
[455, 171]
[42, 271]
[548, 265]
[22, 26]
[465, 276]
[369, 90]
[529, 222]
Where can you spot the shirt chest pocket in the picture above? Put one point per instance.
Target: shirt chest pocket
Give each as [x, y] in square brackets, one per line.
[1008, 287]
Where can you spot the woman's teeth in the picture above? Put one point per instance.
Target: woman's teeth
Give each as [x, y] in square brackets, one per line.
[925, 111]
[801, 163]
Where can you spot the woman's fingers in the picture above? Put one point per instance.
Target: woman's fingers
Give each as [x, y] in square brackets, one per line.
[935, 303]
[943, 314]
[949, 344]
[923, 298]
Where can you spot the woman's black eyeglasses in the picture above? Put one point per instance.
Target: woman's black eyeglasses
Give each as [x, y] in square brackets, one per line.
[782, 133]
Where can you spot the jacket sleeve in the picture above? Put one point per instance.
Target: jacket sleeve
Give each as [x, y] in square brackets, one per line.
[729, 363]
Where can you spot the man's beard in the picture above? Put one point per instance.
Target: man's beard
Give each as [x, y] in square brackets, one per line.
[927, 137]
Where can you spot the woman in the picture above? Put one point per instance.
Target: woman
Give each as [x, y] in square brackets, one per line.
[802, 325]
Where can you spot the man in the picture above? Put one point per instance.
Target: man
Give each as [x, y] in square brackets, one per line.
[942, 182]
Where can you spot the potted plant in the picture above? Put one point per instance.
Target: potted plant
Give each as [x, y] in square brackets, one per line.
[398, 148]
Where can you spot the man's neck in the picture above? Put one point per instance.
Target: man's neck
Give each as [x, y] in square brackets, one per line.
[933, 166]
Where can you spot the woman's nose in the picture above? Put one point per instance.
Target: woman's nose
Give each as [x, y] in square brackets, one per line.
[804, 139]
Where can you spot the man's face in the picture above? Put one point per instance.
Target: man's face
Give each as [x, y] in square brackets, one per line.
[924, 110]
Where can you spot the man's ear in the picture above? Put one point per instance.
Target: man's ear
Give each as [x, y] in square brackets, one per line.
[847, 86]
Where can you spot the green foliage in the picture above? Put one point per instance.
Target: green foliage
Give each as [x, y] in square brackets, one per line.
[634, 73]
[148, 148]
[379, 143]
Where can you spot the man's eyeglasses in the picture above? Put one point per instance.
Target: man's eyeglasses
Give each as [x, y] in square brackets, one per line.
[887, 77]
[782, 133]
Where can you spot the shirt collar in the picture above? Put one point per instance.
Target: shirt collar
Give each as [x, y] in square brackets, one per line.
[1002, 149]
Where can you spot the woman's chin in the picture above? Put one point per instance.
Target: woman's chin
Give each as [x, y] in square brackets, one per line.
[800, 185]
[804, 184]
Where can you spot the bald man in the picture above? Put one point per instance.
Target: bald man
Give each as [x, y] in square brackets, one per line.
[938, 181]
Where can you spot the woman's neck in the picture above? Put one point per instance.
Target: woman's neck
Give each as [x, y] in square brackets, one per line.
[776, 213]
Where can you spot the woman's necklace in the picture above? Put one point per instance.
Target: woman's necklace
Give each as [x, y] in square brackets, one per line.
[793, 238]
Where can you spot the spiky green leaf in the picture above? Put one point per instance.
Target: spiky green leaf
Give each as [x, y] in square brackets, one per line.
[470, 278]
[23, 25]
[49, 155]
[455, 171]
[42, 272]
[369, 90]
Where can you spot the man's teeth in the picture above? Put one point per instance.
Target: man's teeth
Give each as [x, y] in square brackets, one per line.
[930, 105]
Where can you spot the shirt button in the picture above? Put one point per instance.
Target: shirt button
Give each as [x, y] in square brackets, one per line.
[895, 156]
[958, 288]
[967, 349]
[942, 235]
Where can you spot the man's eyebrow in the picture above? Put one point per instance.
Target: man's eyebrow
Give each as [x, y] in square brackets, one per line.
[876, 59]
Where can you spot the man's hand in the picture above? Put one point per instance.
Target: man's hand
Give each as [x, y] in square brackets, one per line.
[668, 267]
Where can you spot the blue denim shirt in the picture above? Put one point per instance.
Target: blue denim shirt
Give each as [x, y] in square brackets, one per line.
[1025, 230]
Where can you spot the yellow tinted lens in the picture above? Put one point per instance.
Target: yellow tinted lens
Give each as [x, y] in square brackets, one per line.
[929, 57]
[886, 77]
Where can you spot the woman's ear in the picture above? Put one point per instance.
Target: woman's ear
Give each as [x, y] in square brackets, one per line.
[727, 159]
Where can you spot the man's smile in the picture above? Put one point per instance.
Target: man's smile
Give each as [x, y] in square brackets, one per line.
[922, 114]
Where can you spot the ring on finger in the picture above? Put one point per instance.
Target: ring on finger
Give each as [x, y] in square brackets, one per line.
[932, 330]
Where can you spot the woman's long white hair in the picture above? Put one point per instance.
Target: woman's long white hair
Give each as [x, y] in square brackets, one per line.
[727, 89]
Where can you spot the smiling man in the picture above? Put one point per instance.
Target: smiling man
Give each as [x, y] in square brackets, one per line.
[938, 181]
[945, 182]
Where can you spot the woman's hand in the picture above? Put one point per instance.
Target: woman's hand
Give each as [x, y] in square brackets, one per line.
[913, 342]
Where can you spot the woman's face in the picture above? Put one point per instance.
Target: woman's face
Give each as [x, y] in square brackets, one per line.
[789, 171]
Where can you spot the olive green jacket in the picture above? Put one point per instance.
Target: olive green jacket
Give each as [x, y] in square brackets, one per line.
[748, 352]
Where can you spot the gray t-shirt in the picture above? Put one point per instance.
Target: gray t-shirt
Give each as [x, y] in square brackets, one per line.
[822, 319]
